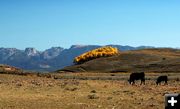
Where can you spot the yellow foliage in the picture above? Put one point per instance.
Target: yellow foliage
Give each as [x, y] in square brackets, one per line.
[96, 53]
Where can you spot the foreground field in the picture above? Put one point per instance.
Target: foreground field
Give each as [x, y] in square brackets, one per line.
[28, 92]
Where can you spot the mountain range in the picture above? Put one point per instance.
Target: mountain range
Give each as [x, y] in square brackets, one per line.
[50, 59]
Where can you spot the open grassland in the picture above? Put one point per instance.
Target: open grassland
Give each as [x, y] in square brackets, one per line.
[28, 92]
[110, 76]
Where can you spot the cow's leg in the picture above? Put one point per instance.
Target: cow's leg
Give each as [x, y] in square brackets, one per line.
[133, 82]
[143, 81]
[166, 82]
[129, 81]
[157, 82]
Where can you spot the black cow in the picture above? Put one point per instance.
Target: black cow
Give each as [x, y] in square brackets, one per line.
[137, 76]
[161, 78]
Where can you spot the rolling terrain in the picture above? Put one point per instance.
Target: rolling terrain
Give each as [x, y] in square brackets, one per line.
[147, 60]
[97, 84]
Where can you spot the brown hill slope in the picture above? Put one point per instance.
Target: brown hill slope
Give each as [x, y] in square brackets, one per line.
[148, 60]
[6, 69]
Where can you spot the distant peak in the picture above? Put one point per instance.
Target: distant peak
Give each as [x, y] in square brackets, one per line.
[2, 48]
[31, 51]
[52, 52]
[56, 48]
[78, 46]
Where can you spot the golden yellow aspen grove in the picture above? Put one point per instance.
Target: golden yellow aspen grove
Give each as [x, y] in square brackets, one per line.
[96, 53]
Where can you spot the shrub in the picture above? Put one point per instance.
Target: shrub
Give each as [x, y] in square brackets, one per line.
[96, 53]
[93, 96]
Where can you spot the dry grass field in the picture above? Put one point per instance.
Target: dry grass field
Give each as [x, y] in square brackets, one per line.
[32, 92]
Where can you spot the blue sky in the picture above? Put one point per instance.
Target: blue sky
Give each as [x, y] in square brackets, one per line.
[46, 23]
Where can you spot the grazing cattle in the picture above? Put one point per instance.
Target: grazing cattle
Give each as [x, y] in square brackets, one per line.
[137, 76]
[162, 78]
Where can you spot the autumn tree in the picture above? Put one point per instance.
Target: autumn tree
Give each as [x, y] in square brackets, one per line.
[96, 53]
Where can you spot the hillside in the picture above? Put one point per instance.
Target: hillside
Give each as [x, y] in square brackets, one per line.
[148, 60]
[6, 69]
